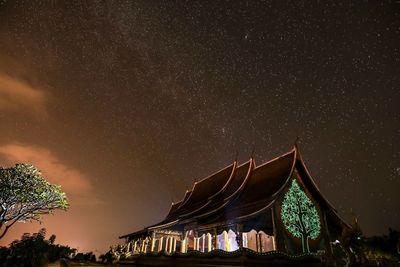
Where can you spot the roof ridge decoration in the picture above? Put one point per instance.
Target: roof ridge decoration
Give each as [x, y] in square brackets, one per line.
[276, 158]
[329, 204]
[235, 167]
[236, 194]
[226, 200]
[179, 202]
[171, 209]
[273, 196]
[300, 159]
[251, 168]
[210, 198]
[202, 180]
[295, 150]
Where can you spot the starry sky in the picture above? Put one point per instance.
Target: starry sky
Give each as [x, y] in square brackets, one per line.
[125, 104]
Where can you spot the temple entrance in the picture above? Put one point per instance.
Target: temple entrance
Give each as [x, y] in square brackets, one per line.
[249, 240]
[227, 241]
[260, 242]
[190, 239]
[266, 241]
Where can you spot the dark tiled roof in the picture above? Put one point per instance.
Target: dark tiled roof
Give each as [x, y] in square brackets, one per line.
[205, 189]
[237, 192]
[257, 191]
[267, 179]
[238, 179]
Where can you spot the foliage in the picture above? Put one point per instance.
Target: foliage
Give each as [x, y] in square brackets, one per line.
[85, 257]
[26, 195]
[300, 216]
[33, 251]
[107, 258]
[383, 247]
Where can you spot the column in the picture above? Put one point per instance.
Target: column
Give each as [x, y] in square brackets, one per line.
[134, 247]
[167, 244]
[171, 242]
[160, 244]
[174, 245]
[209, 242]
[198, 244]
[142, 246]
[153, 241]
[183, 245]
[226, 241]
[215, 233]
[145, 242]
[257, 243]
[203, 242]
[273, 243]
[239, 235]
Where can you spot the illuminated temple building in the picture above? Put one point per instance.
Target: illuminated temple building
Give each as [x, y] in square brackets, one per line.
[275, 206]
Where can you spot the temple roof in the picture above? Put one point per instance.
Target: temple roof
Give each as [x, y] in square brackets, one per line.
[238, 192]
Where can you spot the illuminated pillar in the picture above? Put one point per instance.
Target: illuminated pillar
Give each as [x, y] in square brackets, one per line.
[153, 241]
[239, 235]
[260, 238]
[244, 238]
[145, 242]
[183, 245]
[196, 241]
[273, 243]
[142, 246]
[209, 242]
[216, 243]
[160, 244]
[174, 246]
[257, 243]
[226, 241]
[171, 243]
[168, 244]
[203, 242]
[134, 247]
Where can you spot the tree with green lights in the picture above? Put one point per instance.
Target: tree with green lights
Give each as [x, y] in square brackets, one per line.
[300, 216]
[25, 196]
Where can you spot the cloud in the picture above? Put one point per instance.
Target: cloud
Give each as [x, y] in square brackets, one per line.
[19, 96]
[72, 181]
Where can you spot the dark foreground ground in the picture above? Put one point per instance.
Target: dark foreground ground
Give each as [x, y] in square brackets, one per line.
[218, 258]
[238, 258]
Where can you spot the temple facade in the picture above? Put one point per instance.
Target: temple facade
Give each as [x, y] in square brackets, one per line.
[275, 206]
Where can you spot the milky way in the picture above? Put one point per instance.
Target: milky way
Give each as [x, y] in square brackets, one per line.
[127, 104]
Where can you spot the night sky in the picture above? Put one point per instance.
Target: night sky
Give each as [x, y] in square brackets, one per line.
[126, 104]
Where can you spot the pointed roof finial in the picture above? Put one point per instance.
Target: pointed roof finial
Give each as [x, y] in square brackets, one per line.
[252, 152]
[296, 141]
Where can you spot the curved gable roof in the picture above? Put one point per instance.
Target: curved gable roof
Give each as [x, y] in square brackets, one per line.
[205, 189]
[239, 192]
[267, 179]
